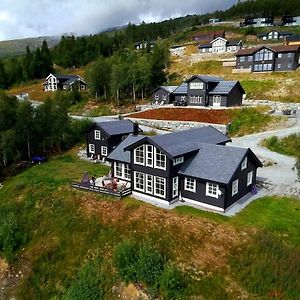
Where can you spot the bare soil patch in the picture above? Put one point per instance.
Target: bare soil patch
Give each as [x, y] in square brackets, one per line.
[220, 116]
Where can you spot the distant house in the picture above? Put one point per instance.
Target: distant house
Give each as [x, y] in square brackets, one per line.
[290, 20]
[268, 59]
[103, 137]
[143, 45]
[208, 36]
[273, 35]
[220, 45]
[213, 21]
[56, 82]
[293, 39]
[202, 90]
[194, 166]
[258, 22]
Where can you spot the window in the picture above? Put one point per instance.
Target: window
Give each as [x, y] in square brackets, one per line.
[139, 181]
[289, 65]
[216, 100]
[104, 151]
[160, 160]
[250, 58]
[196, 85]
[212, 189]
[139, 155]
[280, 55]
[160, 186]
[97, 135]
[196, 99]
[235, 187]
[164, 97]
[175, 187]
[244, 164]
[242, 58]
[263, 54]
[121, 170]
[289, 55]
[91, 148]
[149, 155]
[149, 184]
[156, 97]
[279, 66]
[249, 178]
[127, 174]
[118, 169]
[190, 184]
[182, 98]
[178, 160]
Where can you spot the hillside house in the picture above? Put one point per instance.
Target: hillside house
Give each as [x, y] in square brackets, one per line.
[103, 137]
[208, 36]
[273, 35]
[290, 20]
[143, 45]
[200, 169]
[220, 45]
[293, 39]
[163, 94]
[203, 90]
[258, 22]
[56, 82]
[268, 59]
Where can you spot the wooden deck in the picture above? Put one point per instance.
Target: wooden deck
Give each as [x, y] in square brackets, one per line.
[103, 190]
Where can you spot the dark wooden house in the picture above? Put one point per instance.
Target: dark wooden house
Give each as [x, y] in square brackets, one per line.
[163, 94]
[273, 35]
[268, 59]
[200, 169]
[103, 137]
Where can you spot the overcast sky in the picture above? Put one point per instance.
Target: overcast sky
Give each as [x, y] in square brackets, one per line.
[30, 18]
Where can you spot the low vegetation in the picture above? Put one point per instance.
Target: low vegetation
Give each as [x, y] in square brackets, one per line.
[71, 244]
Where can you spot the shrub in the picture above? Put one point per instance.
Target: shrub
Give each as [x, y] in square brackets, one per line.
[125, 257]
[89, 283]
[172, 283]
[149, 265]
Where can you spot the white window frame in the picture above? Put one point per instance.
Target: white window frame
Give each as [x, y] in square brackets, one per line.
[123, 170]
[156, 153]
[217, 100]
[149, 155]
[103, 150]
[244, 163]
[175, 187]
[235, 187]
[198, 85]
[149, 184]
[136, 175]
[178, 160]
[212, 190]
[156, 97]
[142, 157]
[190, 184]
[249, 178]
[92, 148]
[156, 183]
[97, 135]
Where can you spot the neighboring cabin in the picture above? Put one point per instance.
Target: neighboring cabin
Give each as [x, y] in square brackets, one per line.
[257, 22]
[103, 137]
[202, 90]
[143, 45]
[268, 59]
[290, 20]
[274, 35]
[193, 165]
[56, 82]
[220, 45]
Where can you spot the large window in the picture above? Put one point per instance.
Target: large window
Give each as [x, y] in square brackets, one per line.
[139, 181]
[249, 178]
[139, 155]
[104, 151]
[235, 187]
[216, 100]
[212, 189]
[97, 135]
[263, 54]
[190, 184]
[118, 170]
[175, 187]
[196, 85]
[160, 186]
[149, 155]
[160, 160]
[91, 148]
[244, 164]
[196, 99]
[121, 170]
[178, 160]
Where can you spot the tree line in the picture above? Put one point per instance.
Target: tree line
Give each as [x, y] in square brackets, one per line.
[26, 131]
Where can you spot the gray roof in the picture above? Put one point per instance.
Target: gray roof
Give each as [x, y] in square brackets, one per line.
[187, 141]
[62, 76]
[294, 37]
[223, 87]
[206, 78]
[204, 46]
[124, 156]
[170, 88]
[182, 89]
[214, 162]
[234, 43]
[116, 127]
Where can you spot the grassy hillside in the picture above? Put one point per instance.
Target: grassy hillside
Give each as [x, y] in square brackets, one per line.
[59, 240]
[18, 47]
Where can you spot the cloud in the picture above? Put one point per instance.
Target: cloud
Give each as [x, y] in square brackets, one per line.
[27, 18]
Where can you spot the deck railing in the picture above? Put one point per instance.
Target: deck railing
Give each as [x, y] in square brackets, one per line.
[98, 189]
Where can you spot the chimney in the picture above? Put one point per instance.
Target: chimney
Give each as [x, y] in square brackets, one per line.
[135, 128]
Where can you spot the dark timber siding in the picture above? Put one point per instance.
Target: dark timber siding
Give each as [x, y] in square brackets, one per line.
[285, 60]
[201, 93]
[160, 93]
[224, 99]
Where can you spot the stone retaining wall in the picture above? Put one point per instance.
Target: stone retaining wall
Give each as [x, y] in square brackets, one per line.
[176, 125]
